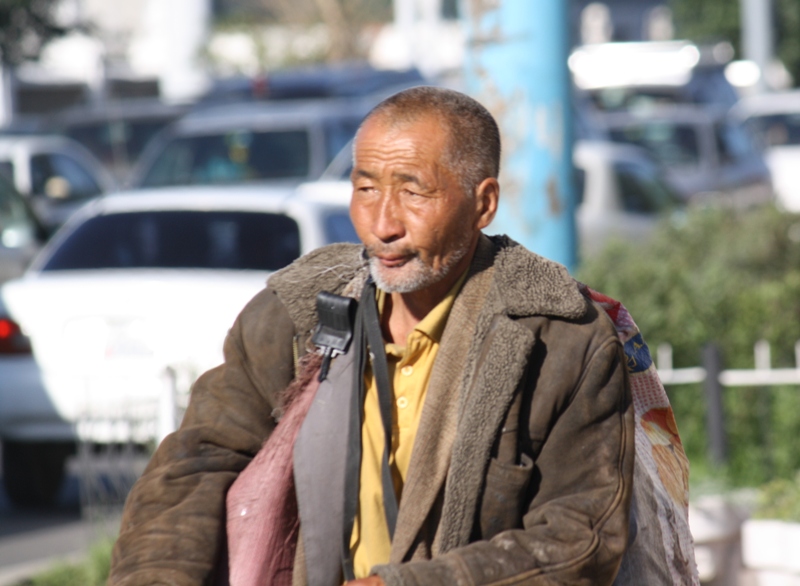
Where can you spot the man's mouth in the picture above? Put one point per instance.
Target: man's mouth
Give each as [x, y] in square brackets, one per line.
[392, 260]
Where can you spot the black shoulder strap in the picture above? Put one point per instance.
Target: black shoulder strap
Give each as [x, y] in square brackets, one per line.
[368, 334]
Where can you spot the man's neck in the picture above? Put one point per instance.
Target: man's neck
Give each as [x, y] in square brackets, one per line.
[403, 311]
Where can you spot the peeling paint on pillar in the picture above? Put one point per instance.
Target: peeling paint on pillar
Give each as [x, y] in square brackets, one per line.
[517, 67]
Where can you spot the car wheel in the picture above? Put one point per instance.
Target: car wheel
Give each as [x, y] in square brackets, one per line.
[34, 471]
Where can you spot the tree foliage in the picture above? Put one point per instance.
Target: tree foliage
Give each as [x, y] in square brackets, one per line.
[344, 18]
[25, 27]
[731, 278]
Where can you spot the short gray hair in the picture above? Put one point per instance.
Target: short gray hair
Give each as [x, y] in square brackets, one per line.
[474, 138]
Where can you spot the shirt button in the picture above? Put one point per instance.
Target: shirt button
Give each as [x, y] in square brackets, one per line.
[402, 402]
[407, 370]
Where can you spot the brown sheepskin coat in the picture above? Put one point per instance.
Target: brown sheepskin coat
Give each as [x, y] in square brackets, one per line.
[522, 467]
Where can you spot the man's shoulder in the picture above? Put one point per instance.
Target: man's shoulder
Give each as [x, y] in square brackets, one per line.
[532, 285]
[330, 268]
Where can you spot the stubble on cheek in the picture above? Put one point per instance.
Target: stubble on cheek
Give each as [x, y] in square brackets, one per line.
[414, 274]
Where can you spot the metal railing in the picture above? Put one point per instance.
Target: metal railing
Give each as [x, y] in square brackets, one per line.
[715, 378]
[115, 442]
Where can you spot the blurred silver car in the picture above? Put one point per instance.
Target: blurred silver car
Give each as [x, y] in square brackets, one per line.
[621, 195]
[134, 289]
[705, 154]
[56, 173]
[775, 120]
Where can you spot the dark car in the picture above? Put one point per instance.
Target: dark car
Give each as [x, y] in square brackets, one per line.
[347, 80]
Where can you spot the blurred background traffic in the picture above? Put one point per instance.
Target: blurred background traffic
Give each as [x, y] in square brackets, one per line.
[160, 158]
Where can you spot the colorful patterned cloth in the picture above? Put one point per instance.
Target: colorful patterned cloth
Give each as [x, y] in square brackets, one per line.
[661, 471]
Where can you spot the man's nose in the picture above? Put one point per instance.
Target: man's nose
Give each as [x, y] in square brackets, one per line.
[387, 223]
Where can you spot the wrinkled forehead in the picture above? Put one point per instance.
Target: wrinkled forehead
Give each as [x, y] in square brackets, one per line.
[428, 126]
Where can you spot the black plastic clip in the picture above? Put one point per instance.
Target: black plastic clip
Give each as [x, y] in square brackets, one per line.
[334, 332]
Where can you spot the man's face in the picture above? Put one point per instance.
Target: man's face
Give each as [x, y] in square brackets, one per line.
[407, 206]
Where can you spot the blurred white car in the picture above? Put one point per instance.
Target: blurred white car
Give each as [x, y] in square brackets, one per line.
[136, 287]
[56, 173]
[775, 120]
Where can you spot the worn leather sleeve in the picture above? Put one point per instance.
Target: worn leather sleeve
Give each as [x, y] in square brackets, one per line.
[173, 524]
[576, 525]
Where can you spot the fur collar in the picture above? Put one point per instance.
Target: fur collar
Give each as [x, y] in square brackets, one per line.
[526, 284]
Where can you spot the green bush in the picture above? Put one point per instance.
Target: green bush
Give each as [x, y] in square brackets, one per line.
[92, 572]
[728, 277]
[779, 499]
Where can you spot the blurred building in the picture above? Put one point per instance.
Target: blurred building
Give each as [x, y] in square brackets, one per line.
[136, 48]
[169, 49]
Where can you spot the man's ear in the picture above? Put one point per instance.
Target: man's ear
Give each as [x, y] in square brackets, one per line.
[487, 194]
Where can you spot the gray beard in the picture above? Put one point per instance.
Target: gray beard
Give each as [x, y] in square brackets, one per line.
[417, 278]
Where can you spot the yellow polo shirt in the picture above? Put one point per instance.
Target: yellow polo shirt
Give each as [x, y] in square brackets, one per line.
[409, 369]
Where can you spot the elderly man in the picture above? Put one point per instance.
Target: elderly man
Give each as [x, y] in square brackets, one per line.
[493, 438]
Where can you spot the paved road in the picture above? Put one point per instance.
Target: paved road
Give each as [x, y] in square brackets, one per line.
[34, 540]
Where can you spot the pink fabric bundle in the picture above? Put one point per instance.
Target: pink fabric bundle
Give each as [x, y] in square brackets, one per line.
[262, 523]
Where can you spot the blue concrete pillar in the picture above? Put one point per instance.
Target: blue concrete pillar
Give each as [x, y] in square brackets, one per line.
[516, 65]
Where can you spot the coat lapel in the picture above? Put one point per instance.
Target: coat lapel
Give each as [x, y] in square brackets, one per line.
[430, 458]
[484, 404]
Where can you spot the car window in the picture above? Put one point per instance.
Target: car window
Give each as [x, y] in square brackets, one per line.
[116, 141]
[17, 227]
[672, 144]
[633, 98]
[734, 143]
[338, 134]
[339, 228]
[641, 190]
[776, 129]
[341, 165]
[580, 184]
[180, 239]
[62, 177]
[231, 158]
[7, 171]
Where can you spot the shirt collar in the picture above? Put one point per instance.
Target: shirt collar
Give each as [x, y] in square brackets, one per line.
[432, 325]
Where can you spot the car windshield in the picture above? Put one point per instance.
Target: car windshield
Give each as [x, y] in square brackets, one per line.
[339, 228]
[641, 189]
[672, 144]
[116, 141]
[180, 240]
[17, 226]
[60, 176]
[232, 157]
[633, 98]
[777, 129]
[734, 143]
